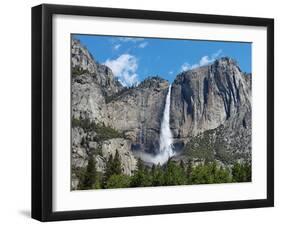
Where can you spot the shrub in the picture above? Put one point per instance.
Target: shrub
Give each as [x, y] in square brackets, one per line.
[76, 71]
[201, 146]
[102, 132]
[105, 132]
[118, 94]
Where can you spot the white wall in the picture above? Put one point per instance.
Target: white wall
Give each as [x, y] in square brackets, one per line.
[15, 93]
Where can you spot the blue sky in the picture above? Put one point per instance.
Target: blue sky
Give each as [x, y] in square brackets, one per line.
[134, 59]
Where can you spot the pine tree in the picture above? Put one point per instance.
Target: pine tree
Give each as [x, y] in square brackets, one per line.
[188, 171]
[108, 170]
[116, 166]
[158, 176]
[174, 174]
[182, 165]
[113, 167]
[139, 175]
[140, 165]
[118, 181]
[90, 174]
[241, 172]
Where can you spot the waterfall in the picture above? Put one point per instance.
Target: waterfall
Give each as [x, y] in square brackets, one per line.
[166, 139]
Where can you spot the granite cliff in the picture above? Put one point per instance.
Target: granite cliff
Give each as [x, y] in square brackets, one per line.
[214, 100]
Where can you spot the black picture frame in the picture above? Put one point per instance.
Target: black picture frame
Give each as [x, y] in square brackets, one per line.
[42, 111]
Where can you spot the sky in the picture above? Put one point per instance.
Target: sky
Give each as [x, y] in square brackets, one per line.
[134, 59]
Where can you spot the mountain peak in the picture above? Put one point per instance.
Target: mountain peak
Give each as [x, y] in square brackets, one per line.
[153, 82]
[226, 61]
[81, 58]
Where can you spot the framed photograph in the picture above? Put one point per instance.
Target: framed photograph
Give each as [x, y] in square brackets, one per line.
[145, 112]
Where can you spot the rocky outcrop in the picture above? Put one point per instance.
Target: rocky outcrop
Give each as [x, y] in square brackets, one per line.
[212, 97]
[123, 146]
[81, 59]
[208, 96]
[88, 101]
[91, 84]
[138, 113]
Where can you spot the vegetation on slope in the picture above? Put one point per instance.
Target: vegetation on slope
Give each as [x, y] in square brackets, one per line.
[76, 71]
[166, 175]
[102, 132]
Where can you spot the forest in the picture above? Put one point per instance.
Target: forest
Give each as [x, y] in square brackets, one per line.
[169, 174]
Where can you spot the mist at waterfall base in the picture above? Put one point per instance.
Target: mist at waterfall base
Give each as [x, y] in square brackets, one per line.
[166, 139]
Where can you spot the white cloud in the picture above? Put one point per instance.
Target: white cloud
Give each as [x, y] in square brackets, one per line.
[186, 66]
[205, 60]
[116, 47]
[126, 39]
[124, 67]
[143, 45]
[171, 72]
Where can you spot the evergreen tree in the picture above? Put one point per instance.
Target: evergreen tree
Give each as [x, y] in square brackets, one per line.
[222, 176]
[174, 174]
[141, 177]
[90, 175]
[113, 167]
[118, 181]
[116, 165]
[158, 176]
[182, 165]
[200, 175]
[209, 173]
[147, 177]
[108, 170]
[241, 172]
[188, 171]
[140, 165]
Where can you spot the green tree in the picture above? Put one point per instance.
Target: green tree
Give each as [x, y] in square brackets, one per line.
[188, 171]
[142, 176]
[108, 170]
[174, 174]
[241, 172]
[147, 179]
[90, 176]
[182, 165]
[209, 173]
[222, 176]
[116, 164]
[113, 167]
[118, 181]
[200, 175]
[158, 176]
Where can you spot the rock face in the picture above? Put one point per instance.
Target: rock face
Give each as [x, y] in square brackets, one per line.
[128, 162]
[206, 97]
[81, 58]
[138, 113]
[213, 96]
[210, 114]
[91, 84]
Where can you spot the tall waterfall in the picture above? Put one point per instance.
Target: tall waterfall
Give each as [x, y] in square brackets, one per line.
[166, 139]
